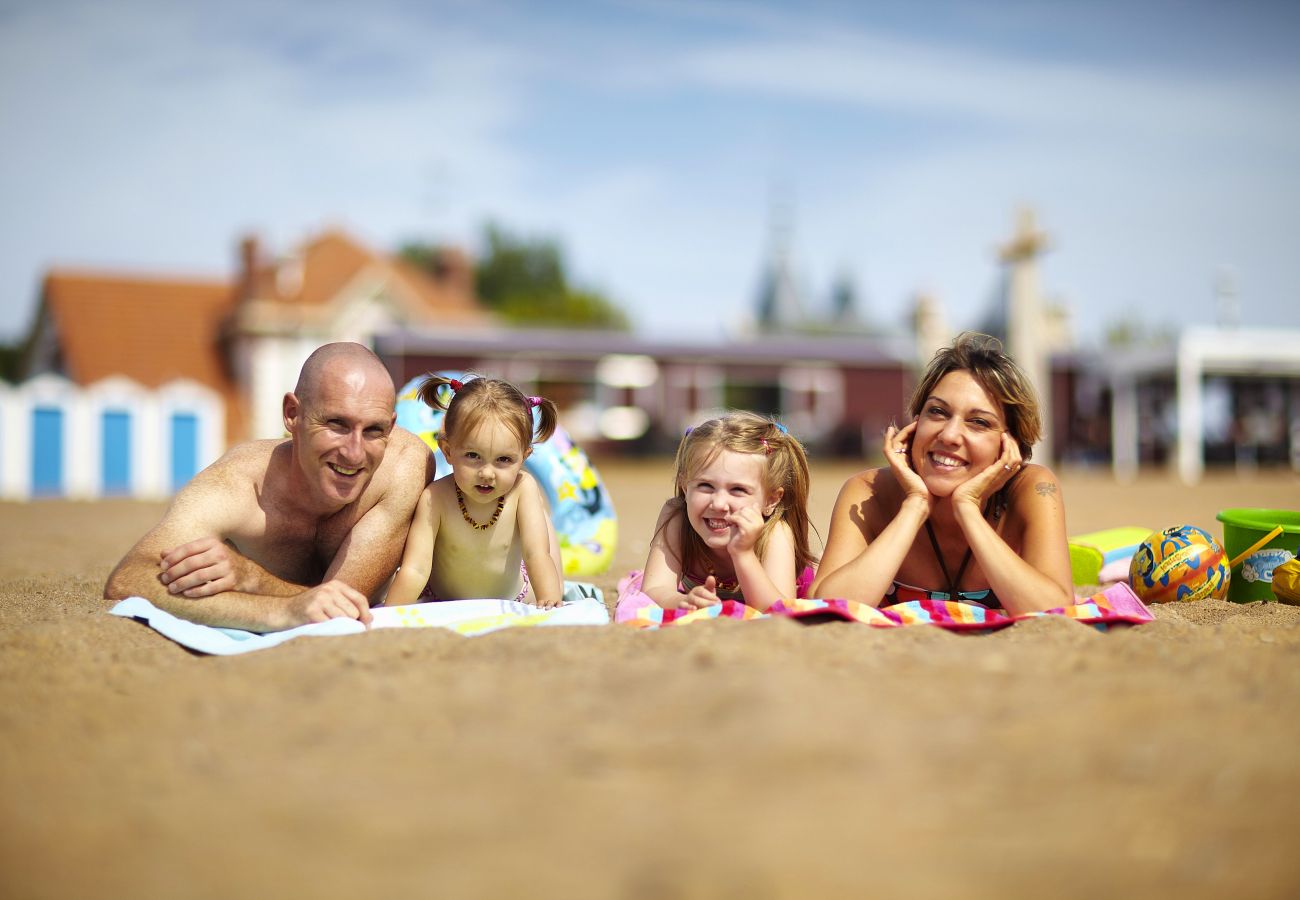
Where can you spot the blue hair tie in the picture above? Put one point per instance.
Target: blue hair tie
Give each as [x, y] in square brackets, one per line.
[781, 428]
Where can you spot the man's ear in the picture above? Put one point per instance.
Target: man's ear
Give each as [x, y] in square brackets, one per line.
[773, 501]
[291, 409]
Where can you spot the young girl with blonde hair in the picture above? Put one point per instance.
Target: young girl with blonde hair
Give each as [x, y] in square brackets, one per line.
[484, 530]
[737, 525]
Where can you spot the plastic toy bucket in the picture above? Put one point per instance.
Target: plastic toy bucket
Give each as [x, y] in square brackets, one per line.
[1252, 578]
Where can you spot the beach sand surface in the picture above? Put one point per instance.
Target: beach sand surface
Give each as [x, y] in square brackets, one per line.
[764, 759]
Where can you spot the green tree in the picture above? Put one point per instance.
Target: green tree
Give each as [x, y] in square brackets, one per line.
[525, 280]
[11, 360]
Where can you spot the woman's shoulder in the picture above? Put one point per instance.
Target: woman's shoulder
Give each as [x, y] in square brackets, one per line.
[1035, 479]
[871, 483]
[1035, 491]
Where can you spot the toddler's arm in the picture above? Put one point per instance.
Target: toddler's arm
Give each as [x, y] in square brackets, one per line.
[535, 534]
[417, 558]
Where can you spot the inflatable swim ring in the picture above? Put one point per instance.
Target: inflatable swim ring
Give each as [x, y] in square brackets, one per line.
[581, 507]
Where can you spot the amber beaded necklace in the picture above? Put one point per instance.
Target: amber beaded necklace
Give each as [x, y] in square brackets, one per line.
[460, 501]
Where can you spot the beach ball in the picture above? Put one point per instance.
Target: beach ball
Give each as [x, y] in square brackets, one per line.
[1179, 563]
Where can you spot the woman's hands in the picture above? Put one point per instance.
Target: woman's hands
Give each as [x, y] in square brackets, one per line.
[984, 484]
[898, 453]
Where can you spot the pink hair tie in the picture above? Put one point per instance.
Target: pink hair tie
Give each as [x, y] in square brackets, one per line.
[534, 401]
[455, 385]
[767, 449]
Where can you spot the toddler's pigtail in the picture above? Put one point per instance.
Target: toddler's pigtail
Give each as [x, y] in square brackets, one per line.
[547, 417]
[430, 392]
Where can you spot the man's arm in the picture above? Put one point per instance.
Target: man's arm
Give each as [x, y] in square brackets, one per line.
[206, 511]
[372, 550]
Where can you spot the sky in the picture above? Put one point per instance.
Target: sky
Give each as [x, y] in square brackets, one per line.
[665, 143]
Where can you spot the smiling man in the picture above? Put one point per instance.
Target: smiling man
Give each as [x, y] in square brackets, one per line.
[284, 532]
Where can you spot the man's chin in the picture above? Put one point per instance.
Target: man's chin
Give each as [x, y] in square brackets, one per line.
[344, 488]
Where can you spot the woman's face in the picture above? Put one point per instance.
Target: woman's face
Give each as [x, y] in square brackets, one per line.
[958, 433]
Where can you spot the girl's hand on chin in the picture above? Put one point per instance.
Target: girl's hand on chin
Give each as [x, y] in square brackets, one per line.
[746, 525]
[898, 454]
[987, 483]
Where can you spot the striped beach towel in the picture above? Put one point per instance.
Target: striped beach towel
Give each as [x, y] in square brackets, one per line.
[1117, 604]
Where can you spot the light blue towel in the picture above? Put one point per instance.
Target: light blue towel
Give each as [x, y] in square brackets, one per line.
[583, 605]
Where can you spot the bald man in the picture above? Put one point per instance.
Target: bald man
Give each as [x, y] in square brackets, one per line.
[284, 532]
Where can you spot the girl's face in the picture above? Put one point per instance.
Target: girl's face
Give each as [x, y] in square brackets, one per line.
[486, 461]
[958, 434]
[726, 484]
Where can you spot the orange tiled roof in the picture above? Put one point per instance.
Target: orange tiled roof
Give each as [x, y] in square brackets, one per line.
[324, 266]
[151, 330]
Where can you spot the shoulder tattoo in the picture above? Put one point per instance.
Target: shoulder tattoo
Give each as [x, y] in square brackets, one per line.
[1045, 488]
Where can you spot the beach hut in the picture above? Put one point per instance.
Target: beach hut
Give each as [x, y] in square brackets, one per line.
[123, 436]
[193, 426]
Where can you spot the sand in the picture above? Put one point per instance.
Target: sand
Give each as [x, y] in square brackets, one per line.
[757, 760]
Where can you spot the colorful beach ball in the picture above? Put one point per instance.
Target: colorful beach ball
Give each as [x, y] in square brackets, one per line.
[1179, 563]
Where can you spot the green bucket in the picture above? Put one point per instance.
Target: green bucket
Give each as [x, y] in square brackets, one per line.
[1252, 578]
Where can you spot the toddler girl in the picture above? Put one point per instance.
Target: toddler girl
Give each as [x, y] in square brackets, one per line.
[737, 528]
[484, 530]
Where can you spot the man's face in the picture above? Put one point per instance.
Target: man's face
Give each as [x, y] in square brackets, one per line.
[340, 432]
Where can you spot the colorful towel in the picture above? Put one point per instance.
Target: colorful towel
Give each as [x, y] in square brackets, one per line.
[631, 600]
[1115, 605]
[583, 605]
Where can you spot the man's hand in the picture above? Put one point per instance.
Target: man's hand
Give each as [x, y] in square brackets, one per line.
[201, 568]
[331, 600]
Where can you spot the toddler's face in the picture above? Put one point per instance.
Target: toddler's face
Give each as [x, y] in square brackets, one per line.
[486, 461]
[714, 493]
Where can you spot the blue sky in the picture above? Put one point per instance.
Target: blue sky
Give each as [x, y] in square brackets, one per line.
[1159, 143]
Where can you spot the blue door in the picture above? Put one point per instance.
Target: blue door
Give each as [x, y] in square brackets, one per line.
[115, 466]
[47, 451]
[185, 448]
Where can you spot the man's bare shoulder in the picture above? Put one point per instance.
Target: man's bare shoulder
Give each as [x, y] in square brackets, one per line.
[246, 462]
[408, 466]
[408, 448]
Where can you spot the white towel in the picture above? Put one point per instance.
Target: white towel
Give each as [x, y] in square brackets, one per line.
[583, 605]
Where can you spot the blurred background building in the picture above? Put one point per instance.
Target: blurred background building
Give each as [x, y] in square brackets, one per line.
[133, 383]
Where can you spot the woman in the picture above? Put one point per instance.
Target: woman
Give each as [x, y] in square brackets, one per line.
[958, 512]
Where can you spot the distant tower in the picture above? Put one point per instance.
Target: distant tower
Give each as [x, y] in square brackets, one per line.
[929, 326]
[780, 307]
[1028, 340]
[1226, 304]
[845, 314]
